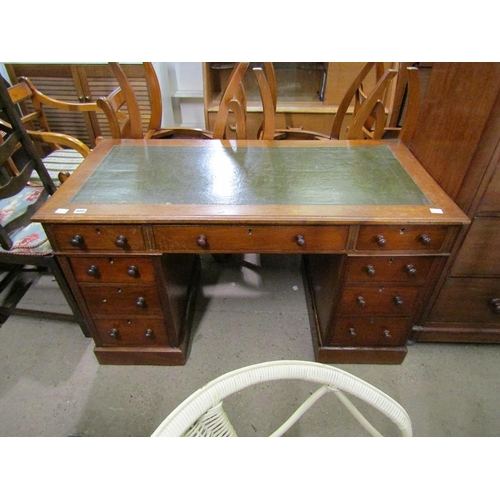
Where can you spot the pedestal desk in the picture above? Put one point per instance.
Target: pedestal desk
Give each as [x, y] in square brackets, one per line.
[128, 226]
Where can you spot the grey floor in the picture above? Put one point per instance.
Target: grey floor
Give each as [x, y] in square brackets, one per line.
[249, 310]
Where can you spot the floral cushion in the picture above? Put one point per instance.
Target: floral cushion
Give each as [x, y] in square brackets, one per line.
[29, 240]
[14, 207]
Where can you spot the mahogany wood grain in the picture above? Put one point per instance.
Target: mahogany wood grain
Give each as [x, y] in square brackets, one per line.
[374, 331]
[412, 269]
[452, 119]
[131, 331]
[262, 239]
[468, 301]
[113, 269]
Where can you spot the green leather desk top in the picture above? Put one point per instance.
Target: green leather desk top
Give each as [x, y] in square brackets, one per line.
[250, 176]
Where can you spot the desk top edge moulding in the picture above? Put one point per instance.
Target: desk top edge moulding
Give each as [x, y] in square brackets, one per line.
[373, 229]
[229, 181]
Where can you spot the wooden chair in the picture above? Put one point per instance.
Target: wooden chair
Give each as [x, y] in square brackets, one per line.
[61, 153]
[122, 110]
[25, 252]
[369, 117]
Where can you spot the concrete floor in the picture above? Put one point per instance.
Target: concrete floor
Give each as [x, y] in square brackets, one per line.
[247, 312]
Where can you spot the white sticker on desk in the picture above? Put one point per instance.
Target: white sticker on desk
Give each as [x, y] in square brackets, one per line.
[436, 211]
[79, 210]
[62, 211]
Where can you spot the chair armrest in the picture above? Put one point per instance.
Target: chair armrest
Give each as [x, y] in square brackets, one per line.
[60, 139]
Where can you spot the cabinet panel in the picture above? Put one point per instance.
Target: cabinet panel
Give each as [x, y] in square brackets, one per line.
[479, 254]
[468, 300]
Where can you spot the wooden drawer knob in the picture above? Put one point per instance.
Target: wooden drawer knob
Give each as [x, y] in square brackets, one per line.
[381, 241]
[140, 302]
[77, 241]
[370, 270]
[114, 333]
[121, 241]
[494, 305]
[300, 240]
[93, 271]
[425, 239]
[361, 301]
[202, 241]
[398, 301]
[410, 269]
[133, 272]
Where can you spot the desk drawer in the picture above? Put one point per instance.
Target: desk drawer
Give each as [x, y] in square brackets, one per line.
[263, 239]
[393, 300]
[121, 300]
[130, 332]
[468, 300]
[401, 269]
[370, 331]
[112, 269]
[400, 238]
[94, 237]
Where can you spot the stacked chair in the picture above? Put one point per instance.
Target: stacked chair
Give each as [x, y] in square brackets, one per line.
[25, 252]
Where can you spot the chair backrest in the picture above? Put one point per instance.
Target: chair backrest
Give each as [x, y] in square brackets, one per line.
[354, 95]
[268, 88]
[18, 159]
[233, 99]
[31, 104]
[369, 117]
[122, 108]
[202, 414]
[406, 104]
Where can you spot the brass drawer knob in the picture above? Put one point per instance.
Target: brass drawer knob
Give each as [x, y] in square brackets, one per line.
[77, 241]
[202, 241]
[381, 241]
[133, 272]
[361, 301]
[300, 240]
[114, 333]
[149, 333]
[370, 270]
[410, 269]
[121, 241]
[494, 305]
[93, 271]
[425, 239]
[398, 301]
[140, 302]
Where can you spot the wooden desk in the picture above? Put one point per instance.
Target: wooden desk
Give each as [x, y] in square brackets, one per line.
[374, 228]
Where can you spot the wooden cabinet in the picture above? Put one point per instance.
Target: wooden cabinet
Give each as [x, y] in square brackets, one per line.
[81, 83]
[308, 93]
[458, 141]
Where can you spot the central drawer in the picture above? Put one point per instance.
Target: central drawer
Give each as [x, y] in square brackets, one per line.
[241, 239]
